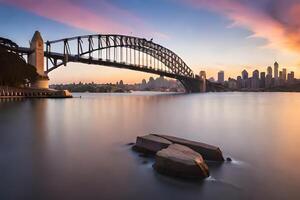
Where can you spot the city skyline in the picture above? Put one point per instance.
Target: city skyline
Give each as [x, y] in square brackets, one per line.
[207, 37]
[272, 77]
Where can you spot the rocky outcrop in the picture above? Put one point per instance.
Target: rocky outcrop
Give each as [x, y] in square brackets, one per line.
[209, 152]
[181, 161]
[150, 144]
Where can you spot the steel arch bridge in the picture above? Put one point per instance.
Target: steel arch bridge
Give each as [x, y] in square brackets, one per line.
[118, 51]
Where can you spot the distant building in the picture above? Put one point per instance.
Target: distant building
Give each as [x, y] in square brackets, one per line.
[221, 76]
[270, 72]
[244, 74]
[276, 77]
[245, 79]
[262, 83]
[276, 67]
[239, 82]
[232, 83]
[255, 80]
[291, 78]
[284, 74]
[212, 79]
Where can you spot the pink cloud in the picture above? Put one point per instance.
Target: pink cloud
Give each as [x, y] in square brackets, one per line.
[109, 18]
[277, 21]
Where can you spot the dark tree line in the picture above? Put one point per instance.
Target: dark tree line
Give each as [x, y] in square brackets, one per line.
[14, 71]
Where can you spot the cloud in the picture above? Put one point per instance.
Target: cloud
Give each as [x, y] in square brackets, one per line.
[277, 21]
[99, 16]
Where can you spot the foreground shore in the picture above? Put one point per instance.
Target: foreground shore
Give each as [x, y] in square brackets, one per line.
[14, 92]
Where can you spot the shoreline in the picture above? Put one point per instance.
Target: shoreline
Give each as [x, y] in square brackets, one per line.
[15, 92]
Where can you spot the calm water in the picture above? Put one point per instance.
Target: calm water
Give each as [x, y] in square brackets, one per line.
[76, 148]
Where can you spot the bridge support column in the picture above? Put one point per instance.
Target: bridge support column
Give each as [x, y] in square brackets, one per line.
[202, 77]
[37, 59]
[194, 85]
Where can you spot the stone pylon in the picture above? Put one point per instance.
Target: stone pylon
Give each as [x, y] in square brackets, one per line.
[202, 76]
[37, 60]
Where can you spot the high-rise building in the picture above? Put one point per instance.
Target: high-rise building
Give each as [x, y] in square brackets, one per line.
[270, 72]
[291, 78]
[292, 75]
[255, 80]
[244, 74]
[262, 82]
[280, 78]
[284, 74]
[255, 74]
[221, 76]
[276, 67]
[239, 82]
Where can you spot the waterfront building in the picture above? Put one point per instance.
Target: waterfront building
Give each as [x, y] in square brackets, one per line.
[212, 79]
[268, 82]
[239, 82]
[276, 67]
[245, 81]
[221, 76]
[244, 74]
[262, 83]
[270, 72]
[290, 78]
[280, 78]
[232, 83]
[255, 80]
[284, 74]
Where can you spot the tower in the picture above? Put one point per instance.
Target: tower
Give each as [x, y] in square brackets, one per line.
[203, 81]
[276, 66]
[221, 77]
[36, 59]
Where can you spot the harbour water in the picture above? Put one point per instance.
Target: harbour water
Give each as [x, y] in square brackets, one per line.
[77, 148]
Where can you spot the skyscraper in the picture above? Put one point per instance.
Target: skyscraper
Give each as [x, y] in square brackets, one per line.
[244, 74]
[221, 76]
[270, 72]
[284, 74]
[280, 78]
[262, 82]
[255, 80]
[276, 66]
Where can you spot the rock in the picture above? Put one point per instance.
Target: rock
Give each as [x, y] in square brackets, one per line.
[208, 152]
[228, 159]
[145, 162]
[130, 143]
[181, 161]
[150, 144]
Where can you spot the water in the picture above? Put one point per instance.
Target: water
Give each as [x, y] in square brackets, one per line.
[76, 148]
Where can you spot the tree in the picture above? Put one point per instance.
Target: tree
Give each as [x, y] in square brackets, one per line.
[14, 71]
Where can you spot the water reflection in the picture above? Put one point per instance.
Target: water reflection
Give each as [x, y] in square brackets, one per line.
[76, 148]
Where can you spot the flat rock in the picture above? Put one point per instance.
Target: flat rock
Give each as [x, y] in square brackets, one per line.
[150, 144]
[209, 152]
[181, 161]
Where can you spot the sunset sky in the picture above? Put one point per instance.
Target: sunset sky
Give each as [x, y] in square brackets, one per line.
[210, 35]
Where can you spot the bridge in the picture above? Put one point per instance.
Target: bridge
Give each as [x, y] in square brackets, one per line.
[119, 51]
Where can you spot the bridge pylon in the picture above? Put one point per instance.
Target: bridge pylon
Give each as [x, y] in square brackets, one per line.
[36, 58]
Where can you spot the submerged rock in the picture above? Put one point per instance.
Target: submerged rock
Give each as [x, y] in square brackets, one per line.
[209, 152]
[150, 144]
[228, 159]
[181, 161]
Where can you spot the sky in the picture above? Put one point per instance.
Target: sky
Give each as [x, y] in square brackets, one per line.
[210, 35]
